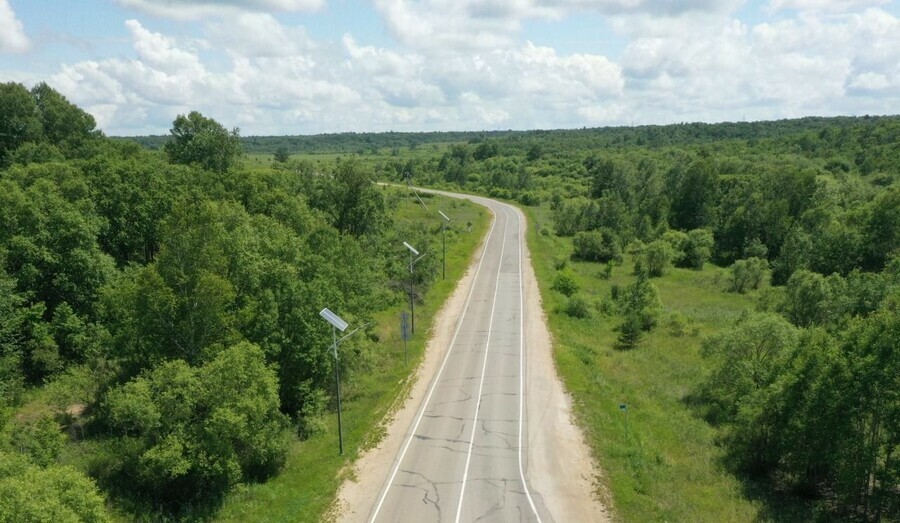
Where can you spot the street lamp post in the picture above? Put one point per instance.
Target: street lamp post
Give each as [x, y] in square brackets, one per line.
[412, 306]
[337, 324]
[444, 244]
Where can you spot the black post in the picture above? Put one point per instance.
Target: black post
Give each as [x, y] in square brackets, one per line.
[337, 382]
[444, 249]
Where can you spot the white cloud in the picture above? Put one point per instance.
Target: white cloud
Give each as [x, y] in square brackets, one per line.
[708, 68]
[436, 25]
[257, 35]
[12, 34]
[270, 78]
[204, 9]
[823, 5]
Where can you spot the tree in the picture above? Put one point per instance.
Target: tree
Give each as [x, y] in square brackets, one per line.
[54, 493]
[601, 245]
[64, 124]
[809, 299]
[656, 258]
[352, 200]
[640, 306]
[282, 155]
[749, 274]
[198, 140]
[201, 430]
[746, 358]
[693, 202]
[698, 249]
[19, 119]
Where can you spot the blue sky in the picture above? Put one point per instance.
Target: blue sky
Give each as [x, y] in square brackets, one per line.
[311, 66]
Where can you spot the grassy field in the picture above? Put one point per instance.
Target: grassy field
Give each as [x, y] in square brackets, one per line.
[307, 486]
[659, 458]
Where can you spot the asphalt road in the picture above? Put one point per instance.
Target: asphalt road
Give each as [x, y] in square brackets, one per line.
[464, 456]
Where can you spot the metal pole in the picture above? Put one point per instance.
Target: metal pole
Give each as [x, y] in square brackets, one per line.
[412, 305]
[405, 335]
[444, 248]
[337, 381]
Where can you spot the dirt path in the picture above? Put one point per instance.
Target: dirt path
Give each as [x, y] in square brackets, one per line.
[560, 468]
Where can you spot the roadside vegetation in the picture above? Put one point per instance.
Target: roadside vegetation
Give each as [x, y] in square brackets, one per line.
[161, 349]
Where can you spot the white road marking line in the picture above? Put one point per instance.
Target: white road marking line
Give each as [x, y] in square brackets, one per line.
[437, 376]
[522, 363]
[487, 347]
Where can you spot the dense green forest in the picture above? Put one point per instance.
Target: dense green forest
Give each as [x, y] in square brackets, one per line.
[160, 340]
[163, 296]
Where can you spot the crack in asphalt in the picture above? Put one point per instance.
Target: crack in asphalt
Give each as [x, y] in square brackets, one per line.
[426, 499]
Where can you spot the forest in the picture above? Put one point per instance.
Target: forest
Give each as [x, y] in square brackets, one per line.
[164, 290]
[160, 340]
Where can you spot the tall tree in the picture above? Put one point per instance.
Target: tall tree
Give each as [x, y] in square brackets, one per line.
[20, 120]
[198, 140]
[64, 124]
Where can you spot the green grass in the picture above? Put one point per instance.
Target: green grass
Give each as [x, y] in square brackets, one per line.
[668, 467]
[305, 489]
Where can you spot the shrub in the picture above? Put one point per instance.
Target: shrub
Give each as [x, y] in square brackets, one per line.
[200, 430]
[630, 332]
[577, 307]
[54, 493]
[565, 283]
[698, 249]
[656, 258]
[601, 245]
[749, 274]
[41, 439]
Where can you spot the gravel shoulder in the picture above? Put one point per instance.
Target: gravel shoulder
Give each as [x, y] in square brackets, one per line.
[559, 464]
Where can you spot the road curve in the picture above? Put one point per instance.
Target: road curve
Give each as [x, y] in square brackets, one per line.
[464, 457]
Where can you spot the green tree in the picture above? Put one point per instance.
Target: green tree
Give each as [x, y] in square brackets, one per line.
[656, 258]
[694, 195]
[745, 359]
[600, 245]
[698, 249]
[282, 155]
[746, 275]
[352, 200]
[809, 299]
[19, 119]
[201, 430]
[31, 493]
[198, 140]
[64, 124]
[640, 306]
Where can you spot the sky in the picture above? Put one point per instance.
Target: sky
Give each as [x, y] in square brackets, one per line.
[279, 67]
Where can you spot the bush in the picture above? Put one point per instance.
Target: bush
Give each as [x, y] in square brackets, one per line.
[698, 249]
[656, 258]
[41, 439]
[577, 307]
[600, 246]
[749, 274]
[630, 332]
[565, 283]
[677, 324]
[201, 430]
[31, 493]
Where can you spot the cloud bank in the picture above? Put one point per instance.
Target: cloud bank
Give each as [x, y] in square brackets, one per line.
[469, 68]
